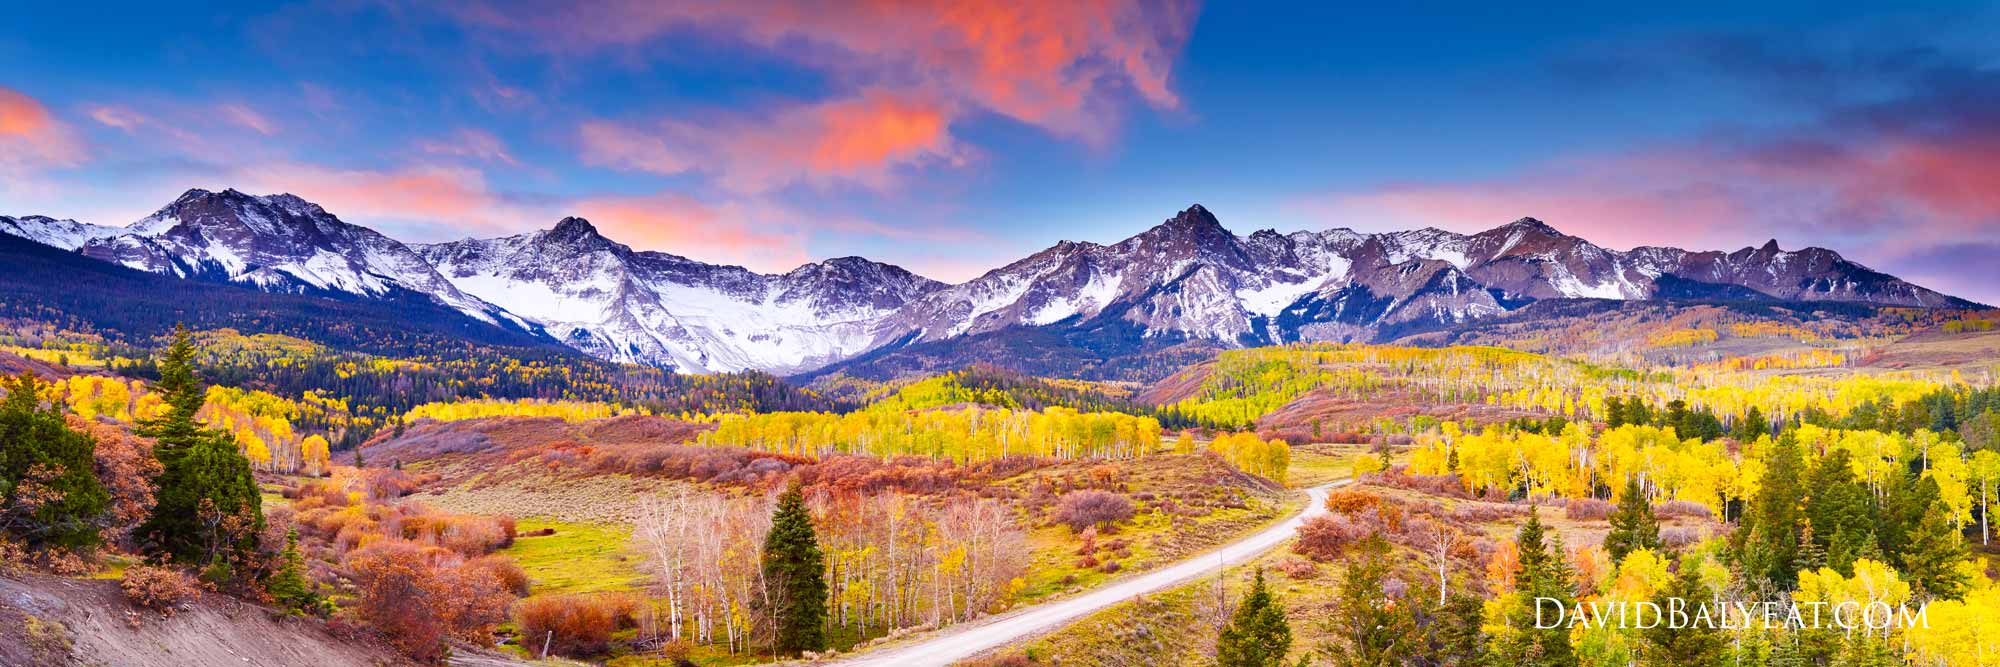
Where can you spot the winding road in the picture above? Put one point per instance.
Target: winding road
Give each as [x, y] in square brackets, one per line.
[964, 641]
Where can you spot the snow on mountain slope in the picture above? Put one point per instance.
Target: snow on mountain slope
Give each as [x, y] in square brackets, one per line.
[275, 242]
[654, 308]
[65, 234]
[1187, 277]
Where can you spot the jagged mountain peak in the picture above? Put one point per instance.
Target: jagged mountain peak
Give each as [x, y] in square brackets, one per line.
[578, 234]
[1194, 224]
[573, 226]
[1185, 278]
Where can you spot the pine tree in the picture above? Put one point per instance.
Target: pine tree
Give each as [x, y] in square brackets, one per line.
[1840, 510]
[1811, 556]
[1932, 557]
[1682, 642]
[207, 510]
[795, 572]
[1752, 426]
[1766, 544]
[175, 429]
[49, 492]
[289, 585]
[1633, 526]
[1544, 572]
[1459, 640]
[1257, 634]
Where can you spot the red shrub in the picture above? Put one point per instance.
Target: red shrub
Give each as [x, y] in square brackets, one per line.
[419, 596]
[1677, 508]
[1083, 509]
[1587, 509]
[1297, 568]
[1325, 538]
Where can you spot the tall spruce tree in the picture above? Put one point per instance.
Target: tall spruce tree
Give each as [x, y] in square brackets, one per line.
[1257, 634]
[1683, 642]
[795, 572]
[1767, 542]
[1633, 526]
[207, 510]
[1544, 572]
[1931, 559]
[49, 492]
[1841, 511]
[175, 429]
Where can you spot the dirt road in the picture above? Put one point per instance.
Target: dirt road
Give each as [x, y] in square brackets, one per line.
[961, 642]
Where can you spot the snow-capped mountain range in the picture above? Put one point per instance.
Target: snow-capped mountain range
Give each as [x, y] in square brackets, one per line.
[1185, 278]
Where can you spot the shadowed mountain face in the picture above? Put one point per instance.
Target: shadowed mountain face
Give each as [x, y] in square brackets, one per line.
[1187, 280]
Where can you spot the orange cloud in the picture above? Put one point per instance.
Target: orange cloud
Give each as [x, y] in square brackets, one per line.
[910, 69]
[749, 234]
[861, 140]
[31, 138]
[431, 194]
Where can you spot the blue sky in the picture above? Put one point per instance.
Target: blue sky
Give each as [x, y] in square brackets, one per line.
[950, 139]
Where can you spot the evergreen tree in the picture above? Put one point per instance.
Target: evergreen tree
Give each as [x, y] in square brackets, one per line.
[207, 510]
[1459, 640]
[1544, 572]
[795, 572]
[49, 492]
[1766, 544]
[1840, 510]
[1683, 643]
[1633, 526]
[1752, 426]
[1257, 634]
[1367, 627]
[1812, 556]
[1932, 557]
[288, 586]
[175, 429]
[1905, 502]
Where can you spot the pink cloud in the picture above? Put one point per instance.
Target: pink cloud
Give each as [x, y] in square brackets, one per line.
[862, 140]
[455, 196]
[1048, 64]
[754, 235]
[1901, 191]
[31, 138]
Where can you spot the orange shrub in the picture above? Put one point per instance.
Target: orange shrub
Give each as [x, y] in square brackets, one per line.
[511, 576]
[161, 589]
[572, 625]
[419, 596]
[1349, 501]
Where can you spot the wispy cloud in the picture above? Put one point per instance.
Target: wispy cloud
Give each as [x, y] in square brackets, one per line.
[471, 144]
[247, 117]
[31, 138]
